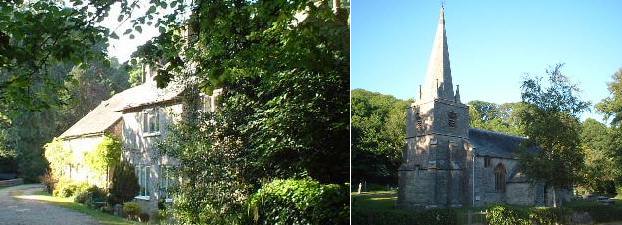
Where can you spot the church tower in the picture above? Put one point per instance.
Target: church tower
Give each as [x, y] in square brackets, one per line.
[437, 161]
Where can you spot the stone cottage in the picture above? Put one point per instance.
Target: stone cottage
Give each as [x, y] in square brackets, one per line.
[139, 116]
[146, 117]
[449, 164]
[86, 134]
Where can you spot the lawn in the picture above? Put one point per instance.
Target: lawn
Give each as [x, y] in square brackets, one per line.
[101, 217]
[379, 201]
[375, 200]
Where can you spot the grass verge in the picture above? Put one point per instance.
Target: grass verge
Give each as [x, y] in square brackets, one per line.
[101, 217]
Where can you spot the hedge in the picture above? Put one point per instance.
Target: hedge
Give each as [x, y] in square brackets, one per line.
[300, 202]
[510, 215]
[403, 217]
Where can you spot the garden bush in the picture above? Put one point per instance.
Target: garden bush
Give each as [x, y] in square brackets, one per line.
[131, 210]
[300, 202]
[404, 217]
[91, 195]
[49, 181]
[66, 188]
[600, 213]
[509, 215]
[124, 184]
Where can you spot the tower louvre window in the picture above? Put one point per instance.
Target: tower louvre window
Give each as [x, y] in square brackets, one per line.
[452, 119]
[419, 120]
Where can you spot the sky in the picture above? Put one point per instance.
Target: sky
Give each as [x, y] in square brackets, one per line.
[492, 45]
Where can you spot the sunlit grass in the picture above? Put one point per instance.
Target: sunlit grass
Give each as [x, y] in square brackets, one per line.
[101, 217]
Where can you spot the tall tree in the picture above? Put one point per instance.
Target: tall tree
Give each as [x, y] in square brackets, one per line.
[283, 67]
[550, 120]
[612, 105]
[490, 116]
[601, 171]
[378, 132]
[36, 38]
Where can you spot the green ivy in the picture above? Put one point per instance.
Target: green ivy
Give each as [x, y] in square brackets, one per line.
[58, 156]
[105, 156]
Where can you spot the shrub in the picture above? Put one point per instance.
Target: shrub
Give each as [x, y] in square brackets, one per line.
[600, 213]
[143, 217]
[508, 215]
[300, 202]
[66, 188]
[124, 184]
[401, 217]
[131, 210]
[49, 181]
[91, 195]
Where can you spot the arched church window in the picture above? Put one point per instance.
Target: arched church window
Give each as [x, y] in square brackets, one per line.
[500, 178]
[419, 120]
[452, 118]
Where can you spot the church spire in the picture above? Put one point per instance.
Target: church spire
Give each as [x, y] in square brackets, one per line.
[438, 78]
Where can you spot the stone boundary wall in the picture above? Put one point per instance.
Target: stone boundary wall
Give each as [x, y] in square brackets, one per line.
[13, 182]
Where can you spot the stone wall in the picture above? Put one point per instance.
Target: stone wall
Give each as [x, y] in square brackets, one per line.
[140, 148]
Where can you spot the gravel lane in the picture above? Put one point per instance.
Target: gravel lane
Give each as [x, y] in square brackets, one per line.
[15, 211]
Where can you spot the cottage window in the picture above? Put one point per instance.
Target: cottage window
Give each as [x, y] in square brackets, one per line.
[151, 121]
[167, 180]
[208, 103]
[500, 178]
[143, 172]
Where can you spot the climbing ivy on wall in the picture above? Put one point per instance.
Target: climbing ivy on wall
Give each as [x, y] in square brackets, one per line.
[58, 156]
[105, 156]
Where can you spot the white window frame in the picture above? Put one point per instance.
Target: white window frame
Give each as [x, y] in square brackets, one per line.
[208, 103]
[166, 181]
[143, 174]
[151, 122]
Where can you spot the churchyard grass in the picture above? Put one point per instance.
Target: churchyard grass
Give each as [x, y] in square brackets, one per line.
[101, 217]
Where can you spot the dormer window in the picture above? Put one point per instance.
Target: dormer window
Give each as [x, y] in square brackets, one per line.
[151, 121]
[208, 103]
[452, 119]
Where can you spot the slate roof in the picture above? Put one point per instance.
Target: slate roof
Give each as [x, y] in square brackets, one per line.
[108, 112]
[102, 117]
[149, 94]
[494, 144]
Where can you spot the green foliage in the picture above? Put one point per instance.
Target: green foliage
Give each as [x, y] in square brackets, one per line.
[601, 170]
[106, 155]
[67, 188]
[401, 217]
[501, 118]
[91, 195]
[300, 202]
[378, 132]
[131, 210]
[612, 105]
[58, 156]
[550, 121]
[508, 215]
[599, 213]
[35, 35]
[284, 109]
[124, 184]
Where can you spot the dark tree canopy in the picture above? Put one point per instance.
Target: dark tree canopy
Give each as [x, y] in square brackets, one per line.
[378, 132]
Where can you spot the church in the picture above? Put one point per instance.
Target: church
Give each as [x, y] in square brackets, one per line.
[449, 164]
